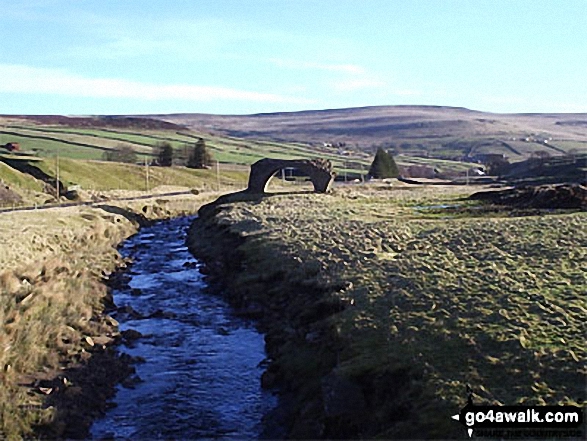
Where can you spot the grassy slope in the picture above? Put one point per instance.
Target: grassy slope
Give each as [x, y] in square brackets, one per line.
[496, 302]
[52, 297]
[48, 147]
[105, 176]
[236, 151]
[99, 175]
[49, 307]
[91, 142]
[14, 178]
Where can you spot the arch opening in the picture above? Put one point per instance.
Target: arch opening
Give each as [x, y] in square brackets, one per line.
[319, 171]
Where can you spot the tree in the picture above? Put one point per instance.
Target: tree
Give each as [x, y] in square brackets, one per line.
[163, 154]
[199, 156]
[497, 166]
[383, 166]
[181, 155]
[121, 153]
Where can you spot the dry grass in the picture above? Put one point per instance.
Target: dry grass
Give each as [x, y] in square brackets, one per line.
[495, 301]
[52, 266]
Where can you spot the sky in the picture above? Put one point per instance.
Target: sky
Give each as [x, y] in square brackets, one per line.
[82, 57]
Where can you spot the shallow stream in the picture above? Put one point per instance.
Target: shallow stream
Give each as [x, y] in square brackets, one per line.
[202, 365]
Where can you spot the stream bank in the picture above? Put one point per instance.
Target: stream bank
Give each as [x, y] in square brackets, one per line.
[297, 311]
[377, 321]
[59, 362]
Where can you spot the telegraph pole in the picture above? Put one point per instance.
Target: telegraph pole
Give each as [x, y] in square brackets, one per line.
[146, 174]
[57, 175]
[218, 174]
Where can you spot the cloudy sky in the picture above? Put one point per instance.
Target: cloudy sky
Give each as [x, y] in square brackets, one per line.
[250, 56]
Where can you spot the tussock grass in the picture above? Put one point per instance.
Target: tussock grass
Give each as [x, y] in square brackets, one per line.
[52, 267]
[493, 301]
[47, 309]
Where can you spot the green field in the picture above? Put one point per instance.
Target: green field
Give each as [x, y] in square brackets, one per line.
[44, 147]
[98, 176]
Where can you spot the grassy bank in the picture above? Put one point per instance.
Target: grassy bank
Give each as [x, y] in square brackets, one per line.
[55, 340]
[100, 176]
[392, 300]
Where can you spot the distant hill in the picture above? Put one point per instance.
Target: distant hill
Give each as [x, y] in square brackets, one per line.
[121, 122]
[89, 137]
[441, 132]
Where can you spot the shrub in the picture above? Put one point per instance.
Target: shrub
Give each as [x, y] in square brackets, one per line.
[121, 153]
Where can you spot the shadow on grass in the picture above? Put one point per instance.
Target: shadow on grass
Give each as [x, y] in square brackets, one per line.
[135, 218]
[243, 196]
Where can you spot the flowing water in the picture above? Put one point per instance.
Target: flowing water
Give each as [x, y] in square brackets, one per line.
[202, 366]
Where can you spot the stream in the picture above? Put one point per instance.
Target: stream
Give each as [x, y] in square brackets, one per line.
[202, 365]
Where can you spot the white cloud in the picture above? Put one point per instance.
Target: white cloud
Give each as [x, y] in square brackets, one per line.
[352, 77]
[107, 38]
[34, 80]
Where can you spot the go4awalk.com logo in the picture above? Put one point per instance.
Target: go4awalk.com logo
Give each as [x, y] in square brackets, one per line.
[521, 421]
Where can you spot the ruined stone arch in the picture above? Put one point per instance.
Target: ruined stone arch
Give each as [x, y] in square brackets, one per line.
[319, 170]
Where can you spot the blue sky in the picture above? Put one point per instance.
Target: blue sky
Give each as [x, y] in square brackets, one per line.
[250, 56]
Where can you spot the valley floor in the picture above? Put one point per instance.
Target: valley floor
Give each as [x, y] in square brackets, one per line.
[391, 298]
[402, 297]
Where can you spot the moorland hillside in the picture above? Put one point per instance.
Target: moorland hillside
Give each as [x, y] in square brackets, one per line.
[435, 131]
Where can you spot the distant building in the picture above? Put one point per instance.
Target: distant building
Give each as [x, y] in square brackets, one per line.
[12, 146]
[476, 171]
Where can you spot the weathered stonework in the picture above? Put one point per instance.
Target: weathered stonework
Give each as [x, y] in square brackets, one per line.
[319, 170]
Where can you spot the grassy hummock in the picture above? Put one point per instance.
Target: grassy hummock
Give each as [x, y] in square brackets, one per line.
[393, 299]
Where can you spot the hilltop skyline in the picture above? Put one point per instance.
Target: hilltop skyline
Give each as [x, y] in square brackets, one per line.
[230, 57]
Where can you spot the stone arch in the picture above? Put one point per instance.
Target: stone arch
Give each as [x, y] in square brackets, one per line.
[319, 170]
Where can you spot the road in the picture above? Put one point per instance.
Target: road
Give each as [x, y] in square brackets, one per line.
[90, 203]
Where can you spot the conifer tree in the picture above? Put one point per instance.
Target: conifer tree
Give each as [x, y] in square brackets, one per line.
[164, 154]
[199, 156]
[383, 166]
